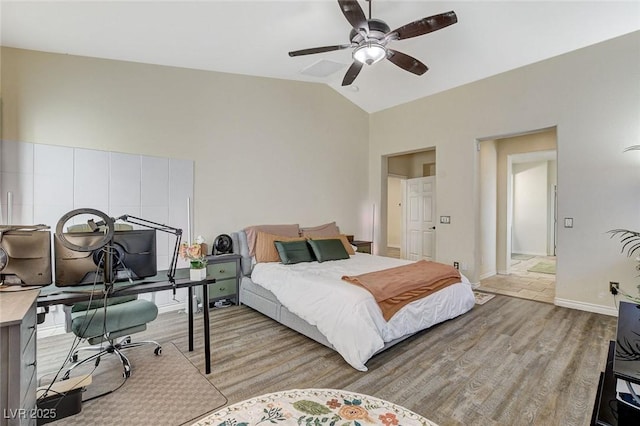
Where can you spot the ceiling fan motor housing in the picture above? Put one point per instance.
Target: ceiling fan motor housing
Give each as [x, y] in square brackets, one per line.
[377, 30]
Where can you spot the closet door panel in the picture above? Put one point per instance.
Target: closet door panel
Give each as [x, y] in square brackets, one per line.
[180, 189]
[52, 183]
[91, 179]
[16, 157]
[16, 177]
[154, 181]
[124, 181]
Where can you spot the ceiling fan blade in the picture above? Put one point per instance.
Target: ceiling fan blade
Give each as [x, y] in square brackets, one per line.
[425, 25]
[354, 14]
[352, 73]
[406, 62]
[318, 50]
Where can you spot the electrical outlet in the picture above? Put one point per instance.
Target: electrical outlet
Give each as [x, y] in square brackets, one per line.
[456, 265]
[614, 287]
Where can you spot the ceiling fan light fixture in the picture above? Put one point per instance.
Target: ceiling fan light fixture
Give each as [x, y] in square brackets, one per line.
[369, 53]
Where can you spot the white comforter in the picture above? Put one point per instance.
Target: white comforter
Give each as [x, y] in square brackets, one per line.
[347, 314]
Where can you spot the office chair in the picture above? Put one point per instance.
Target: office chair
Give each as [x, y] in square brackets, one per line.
[101, 328]
[125, 315]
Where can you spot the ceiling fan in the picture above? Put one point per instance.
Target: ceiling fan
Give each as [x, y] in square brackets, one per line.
[369, 38]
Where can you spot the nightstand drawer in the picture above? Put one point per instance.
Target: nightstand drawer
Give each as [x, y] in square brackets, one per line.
[222, 288]
[221, 271]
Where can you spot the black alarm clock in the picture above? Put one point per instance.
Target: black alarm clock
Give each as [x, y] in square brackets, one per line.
[222, 245]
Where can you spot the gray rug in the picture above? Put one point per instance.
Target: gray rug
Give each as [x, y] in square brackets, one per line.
[165, 389]
[543, 268]
[518, 256]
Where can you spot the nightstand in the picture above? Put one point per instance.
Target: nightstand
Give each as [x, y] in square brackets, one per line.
[363, 246]
[225, 268]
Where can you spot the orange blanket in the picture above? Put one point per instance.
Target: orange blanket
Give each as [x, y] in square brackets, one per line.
[395, 287]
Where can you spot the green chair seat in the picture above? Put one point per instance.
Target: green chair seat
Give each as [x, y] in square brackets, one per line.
[121, 317]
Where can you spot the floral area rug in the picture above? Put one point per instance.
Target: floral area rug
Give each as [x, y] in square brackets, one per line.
[314, 407]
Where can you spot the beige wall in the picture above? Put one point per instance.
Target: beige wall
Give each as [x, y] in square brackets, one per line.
[488, 189]
[394, 211]
[232, 126]
[265, 150]
[592, 95]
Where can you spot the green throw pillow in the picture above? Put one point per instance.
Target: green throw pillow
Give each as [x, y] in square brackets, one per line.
[291, 252]
[328, 250]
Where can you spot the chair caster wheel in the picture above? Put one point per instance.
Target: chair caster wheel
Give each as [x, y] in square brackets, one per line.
[127, 373]
[157, 350]
[66, 376]
[73, 358]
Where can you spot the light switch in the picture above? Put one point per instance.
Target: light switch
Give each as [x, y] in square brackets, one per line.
[445, 219]
[568, 222]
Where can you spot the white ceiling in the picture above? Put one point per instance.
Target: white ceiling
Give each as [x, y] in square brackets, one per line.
[253, 37]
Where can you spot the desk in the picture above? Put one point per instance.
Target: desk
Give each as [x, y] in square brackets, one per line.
[52, 295]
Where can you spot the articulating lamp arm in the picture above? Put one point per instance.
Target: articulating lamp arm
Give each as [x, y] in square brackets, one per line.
[163, 228]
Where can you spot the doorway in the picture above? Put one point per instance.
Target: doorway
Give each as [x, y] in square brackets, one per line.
[401, 169]
[518, 223]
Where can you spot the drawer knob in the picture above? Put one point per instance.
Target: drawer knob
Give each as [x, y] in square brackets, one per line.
[221, 271]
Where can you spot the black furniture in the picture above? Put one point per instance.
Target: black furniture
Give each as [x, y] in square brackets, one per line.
[621, 364]
[363, 246]
[52, 295]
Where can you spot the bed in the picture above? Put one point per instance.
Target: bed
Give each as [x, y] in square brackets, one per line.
[312, 299]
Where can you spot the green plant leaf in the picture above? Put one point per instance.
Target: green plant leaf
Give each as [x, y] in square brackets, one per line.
[311, 407]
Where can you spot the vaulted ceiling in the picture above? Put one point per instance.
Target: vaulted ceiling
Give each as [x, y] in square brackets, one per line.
[253, 37]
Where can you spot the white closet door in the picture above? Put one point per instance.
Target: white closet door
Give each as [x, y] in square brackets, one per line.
[124, 184]
[52, 183]
[16, 177]
[154, 194]
[91, 179]
[180, 188]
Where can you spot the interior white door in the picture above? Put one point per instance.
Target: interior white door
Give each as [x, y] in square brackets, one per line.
[420, 211]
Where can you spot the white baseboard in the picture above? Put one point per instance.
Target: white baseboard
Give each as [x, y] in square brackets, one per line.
[488, 274]
[589, 307]
[55, 330]
[52, 330]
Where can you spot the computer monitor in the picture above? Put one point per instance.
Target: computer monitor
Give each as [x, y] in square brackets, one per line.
[25, 257]
[133, 256]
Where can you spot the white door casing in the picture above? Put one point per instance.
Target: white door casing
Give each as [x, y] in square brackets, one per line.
[420, 214]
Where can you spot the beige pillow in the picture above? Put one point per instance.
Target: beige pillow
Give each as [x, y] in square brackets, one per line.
[326, 230]
[340, 237]
[266, 249]
[284, 230]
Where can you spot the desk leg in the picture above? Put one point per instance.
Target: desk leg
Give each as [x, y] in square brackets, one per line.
[207, 337]
[190, 311]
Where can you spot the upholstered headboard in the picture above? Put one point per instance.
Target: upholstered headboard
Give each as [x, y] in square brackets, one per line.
[241, 247]
[241, 239]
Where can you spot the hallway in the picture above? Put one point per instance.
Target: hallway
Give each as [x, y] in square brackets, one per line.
[524, 283]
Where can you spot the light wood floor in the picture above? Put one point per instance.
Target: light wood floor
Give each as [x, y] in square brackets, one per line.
[523, 283]
[508, 362]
